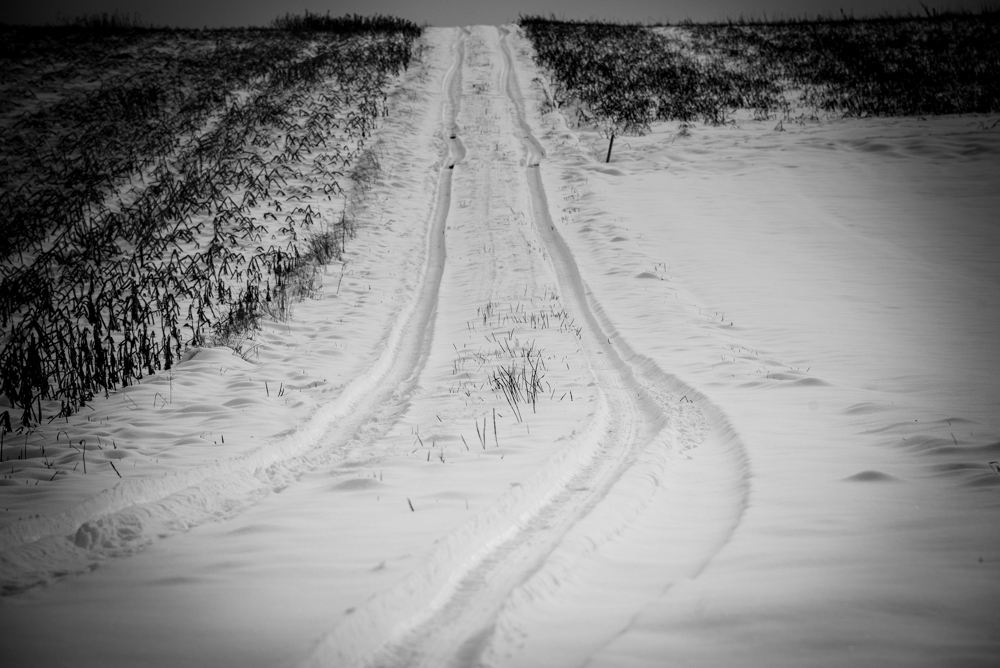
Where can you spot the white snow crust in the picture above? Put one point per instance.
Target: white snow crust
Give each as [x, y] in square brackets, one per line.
[769, 403]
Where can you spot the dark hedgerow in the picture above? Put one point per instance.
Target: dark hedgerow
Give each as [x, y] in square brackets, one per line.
[104, 22]
[346, 25]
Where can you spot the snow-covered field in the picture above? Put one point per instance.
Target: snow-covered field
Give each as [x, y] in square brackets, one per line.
[731, 399]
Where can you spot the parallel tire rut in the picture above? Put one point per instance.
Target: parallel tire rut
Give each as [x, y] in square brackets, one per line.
[447, 614]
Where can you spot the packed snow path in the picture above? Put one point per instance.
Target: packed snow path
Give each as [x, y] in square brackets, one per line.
[449, 610]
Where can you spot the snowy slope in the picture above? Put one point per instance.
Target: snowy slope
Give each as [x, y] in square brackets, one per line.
[832, 288]
[761, 432]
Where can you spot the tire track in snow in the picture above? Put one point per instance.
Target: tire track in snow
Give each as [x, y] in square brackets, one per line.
[674, 506]
[128, 517]
[446, 613]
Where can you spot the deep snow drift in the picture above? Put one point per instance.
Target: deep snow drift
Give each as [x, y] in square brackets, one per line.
[765, 412]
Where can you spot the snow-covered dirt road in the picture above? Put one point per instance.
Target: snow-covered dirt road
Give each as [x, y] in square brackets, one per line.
[564, 437]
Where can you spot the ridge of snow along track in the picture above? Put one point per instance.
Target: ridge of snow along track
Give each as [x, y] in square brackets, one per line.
[673, 504]
[127, 517]
[487, 575]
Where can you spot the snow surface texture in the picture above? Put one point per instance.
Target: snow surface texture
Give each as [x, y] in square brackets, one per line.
[762, 436]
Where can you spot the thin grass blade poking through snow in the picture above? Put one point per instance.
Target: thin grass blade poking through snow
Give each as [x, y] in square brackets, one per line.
[520, 381]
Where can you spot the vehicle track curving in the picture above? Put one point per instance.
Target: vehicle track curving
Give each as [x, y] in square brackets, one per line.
[447, 612]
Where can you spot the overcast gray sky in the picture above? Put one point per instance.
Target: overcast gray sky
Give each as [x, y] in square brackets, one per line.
[221, 13]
